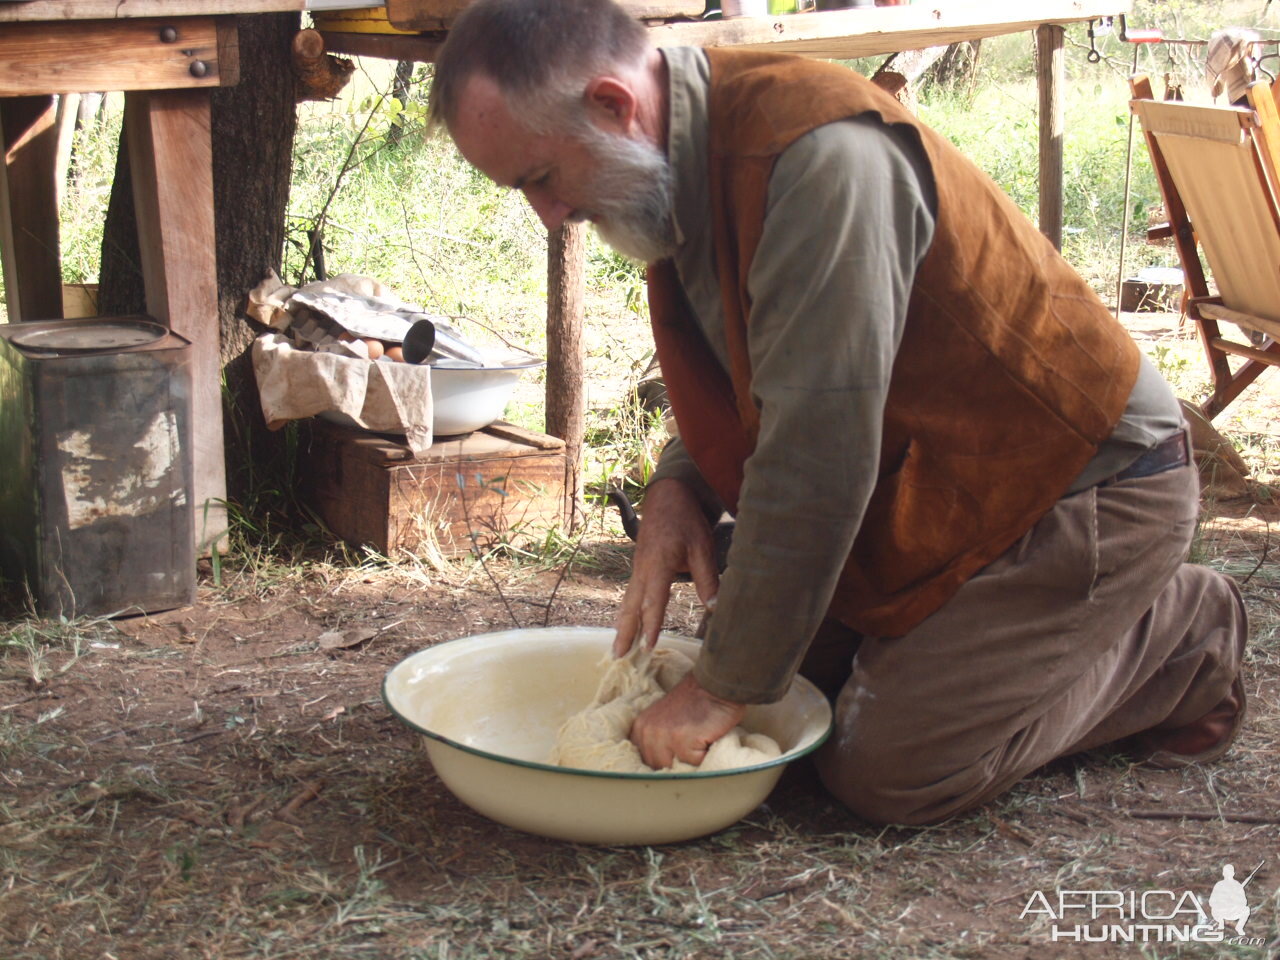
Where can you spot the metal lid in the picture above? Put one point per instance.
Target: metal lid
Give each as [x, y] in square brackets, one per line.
[92, 336]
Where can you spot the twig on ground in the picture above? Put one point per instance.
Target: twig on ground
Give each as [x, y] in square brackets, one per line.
[564, 570]
[34, 696]
[1004, 828]
[1202, 815]
[238, 814]
[309, 792]
[1266, 547]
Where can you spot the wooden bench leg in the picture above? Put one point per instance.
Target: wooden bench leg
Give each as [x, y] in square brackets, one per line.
[172, 161]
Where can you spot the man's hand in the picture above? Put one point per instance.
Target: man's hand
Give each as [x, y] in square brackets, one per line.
[674, 538]
[683, 724]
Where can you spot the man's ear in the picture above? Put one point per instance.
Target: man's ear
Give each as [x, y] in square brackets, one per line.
[611, 103]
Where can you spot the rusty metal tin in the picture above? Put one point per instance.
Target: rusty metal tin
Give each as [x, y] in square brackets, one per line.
[95, 480]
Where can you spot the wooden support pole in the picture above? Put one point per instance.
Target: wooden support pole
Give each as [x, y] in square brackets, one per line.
[68, 111]
[29, 239]
[172, 162]
[566, 290]
[1050, 75]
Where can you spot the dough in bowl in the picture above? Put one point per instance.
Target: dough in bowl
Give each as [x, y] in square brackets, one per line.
[596, 737]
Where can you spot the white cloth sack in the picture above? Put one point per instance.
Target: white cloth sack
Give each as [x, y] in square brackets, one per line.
[381, 396]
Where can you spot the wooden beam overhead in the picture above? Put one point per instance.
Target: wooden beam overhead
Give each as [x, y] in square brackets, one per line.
[419, 47]
[438, 14]
[55, 10]
[88, 56]
[869, 31]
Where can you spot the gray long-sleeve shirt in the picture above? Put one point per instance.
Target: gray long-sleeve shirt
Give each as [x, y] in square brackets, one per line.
[849, 217]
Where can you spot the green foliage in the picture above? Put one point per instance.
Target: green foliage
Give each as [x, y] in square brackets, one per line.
[623, 444]
[88, 190]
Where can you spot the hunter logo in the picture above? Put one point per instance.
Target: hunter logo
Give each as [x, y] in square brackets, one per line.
[1228, 902]
[1147, 916]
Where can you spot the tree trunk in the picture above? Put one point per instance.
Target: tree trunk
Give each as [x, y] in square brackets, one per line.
[957, 69]
[400, 90]
[253, 125]
[903, 79]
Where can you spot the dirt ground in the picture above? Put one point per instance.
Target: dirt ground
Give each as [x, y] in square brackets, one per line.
[223, 781]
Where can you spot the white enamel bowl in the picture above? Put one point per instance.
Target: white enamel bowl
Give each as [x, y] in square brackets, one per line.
[490, 706]
[466, 399]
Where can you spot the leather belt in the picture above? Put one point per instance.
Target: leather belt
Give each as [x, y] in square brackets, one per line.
[1165, 455]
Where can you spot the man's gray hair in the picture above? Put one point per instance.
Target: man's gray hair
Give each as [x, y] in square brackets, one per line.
[541, 54]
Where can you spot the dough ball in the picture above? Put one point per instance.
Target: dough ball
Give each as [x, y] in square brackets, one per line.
[595, 738]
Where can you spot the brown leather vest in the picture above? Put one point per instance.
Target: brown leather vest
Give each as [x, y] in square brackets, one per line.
[1010, 373]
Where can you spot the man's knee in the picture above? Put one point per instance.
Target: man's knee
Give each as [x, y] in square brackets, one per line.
[884, 789]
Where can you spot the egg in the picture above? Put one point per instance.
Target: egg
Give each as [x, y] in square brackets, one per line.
[395, 353]
[375, 348]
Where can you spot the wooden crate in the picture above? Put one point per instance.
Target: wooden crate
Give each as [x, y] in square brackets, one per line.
[496, 483]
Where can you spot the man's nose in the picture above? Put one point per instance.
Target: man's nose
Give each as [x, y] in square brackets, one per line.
[551, 211]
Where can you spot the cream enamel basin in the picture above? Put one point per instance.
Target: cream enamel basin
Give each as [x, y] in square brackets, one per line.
[490, 705]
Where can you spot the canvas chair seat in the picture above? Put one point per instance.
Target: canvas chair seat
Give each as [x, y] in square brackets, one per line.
[1217, 168]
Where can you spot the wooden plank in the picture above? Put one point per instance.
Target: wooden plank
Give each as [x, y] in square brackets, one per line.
[1051, 77]
[566, 295]
[861, 32]
[424, 14]
[1245, 321]
[56, 10]
[84, 57]
[438, 14]
[172, 162]
[1270, 356]
[29, 236]
[509, 431]
[499, 439]
[1266, 138]
[228, 51]
[382, 45]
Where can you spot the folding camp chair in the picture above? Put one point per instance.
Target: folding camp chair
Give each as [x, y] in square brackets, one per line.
[1217, 168]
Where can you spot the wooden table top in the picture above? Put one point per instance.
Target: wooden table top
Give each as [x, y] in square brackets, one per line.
[839, 34]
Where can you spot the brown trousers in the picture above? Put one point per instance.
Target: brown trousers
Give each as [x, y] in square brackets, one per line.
[1088, 630]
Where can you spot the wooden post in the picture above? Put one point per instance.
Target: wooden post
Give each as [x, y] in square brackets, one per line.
[68, 112]
[566, 289]
[1050, 74]
[29, 236]
[171, 158]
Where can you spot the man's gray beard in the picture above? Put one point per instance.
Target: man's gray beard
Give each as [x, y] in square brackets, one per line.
[632, 200]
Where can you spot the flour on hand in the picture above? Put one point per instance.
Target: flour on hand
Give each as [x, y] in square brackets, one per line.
[596, 737]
